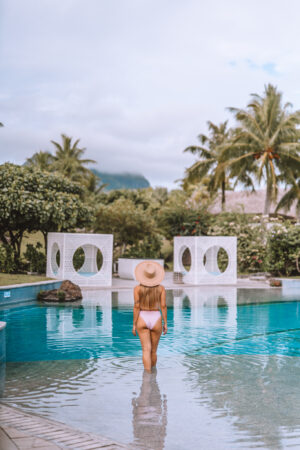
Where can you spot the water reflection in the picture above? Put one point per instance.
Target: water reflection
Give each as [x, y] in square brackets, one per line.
[258, 395]
[240, 401]
[204, 304]
[201, 320]
[206, 369]
[149, 415]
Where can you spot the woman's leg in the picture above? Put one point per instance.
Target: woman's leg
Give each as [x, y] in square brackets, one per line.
[144, 335]
[155, 334]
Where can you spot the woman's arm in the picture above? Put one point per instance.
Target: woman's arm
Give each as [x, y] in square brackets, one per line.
[136, 309]
[163, 306]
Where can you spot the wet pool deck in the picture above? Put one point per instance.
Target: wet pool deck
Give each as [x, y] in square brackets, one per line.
[168, 283]
[20, 430]
[119, 283]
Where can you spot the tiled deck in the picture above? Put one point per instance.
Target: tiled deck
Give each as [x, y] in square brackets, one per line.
[119, 283]
[19, 430]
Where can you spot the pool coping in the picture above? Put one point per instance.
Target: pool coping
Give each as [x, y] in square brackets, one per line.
[36, 283]
[121, 284]
[26, 430]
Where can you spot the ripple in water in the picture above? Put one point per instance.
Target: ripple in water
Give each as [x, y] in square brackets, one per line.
[228, 368]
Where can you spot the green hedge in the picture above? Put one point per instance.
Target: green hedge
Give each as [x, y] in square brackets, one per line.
[283, 249]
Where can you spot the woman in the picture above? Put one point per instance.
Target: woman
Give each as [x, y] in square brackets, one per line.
[149, 298]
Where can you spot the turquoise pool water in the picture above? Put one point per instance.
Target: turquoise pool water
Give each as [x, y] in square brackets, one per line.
[93, 330]
[228, 371]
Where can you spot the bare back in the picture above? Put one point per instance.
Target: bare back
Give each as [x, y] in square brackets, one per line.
[149, 297]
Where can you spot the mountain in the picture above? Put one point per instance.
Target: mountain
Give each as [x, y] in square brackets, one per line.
[122, 180]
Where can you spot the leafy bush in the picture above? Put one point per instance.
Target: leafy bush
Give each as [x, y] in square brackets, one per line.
[251, 244]
[7, 260]
[149, 247]
[36, 258]
[127, 222]
[61, 295]
[183, 221]
[32, 200]
[283, 249]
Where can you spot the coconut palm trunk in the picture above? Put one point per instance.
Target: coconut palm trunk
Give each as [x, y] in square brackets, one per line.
[268, 199]
[223, 194]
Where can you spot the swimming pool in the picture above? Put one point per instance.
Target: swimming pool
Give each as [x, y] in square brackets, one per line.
[228, 372]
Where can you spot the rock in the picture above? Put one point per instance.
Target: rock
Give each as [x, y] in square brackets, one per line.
[72, 290]
[68, 292]
[275, 283]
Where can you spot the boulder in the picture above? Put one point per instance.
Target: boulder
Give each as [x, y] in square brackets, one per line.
[68, 292]
[275, 283]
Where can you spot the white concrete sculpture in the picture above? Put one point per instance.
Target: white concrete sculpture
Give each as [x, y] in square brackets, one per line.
[60, 252]
[204, 267]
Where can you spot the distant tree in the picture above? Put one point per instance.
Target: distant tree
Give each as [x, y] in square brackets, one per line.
[1, 124]
[140, 197]
[32, 200]
[211, 165]
[68, 159]
[41, 160]
[198, 193]
[178, 220]
[292, 195]
[93, 188]
[268, 135]
[128, 223]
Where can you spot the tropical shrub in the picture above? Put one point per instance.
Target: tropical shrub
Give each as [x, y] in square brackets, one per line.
[182, 221]
[35, 257]
[149, 247]
[61, 296]
[7, 261]
[129, 224]
[283, 249]
[32, 200]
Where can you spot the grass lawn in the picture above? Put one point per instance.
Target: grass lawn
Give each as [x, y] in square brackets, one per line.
[297, 277]
[7, 279]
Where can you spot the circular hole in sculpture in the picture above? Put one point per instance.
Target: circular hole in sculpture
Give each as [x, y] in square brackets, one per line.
[78, 259]
[186, 259]
[215, 260]
[87, 260]
[55, 258]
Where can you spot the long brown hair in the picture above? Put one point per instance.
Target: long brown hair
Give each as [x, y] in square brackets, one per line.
[149, 297]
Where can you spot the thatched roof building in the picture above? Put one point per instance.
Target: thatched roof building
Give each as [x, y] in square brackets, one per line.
[250, 203]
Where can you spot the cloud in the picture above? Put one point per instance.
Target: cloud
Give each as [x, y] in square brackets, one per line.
[137, 80]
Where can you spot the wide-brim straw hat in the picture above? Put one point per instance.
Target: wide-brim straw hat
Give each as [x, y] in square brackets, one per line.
[149, 273]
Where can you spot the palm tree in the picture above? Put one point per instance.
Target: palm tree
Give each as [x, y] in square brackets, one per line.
[41, 160]
[68, 161]
[93, 186]
[292, 195]
[267, 138]
[212, 165]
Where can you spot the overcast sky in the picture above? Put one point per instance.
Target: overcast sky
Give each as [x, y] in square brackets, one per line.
[136, 80]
